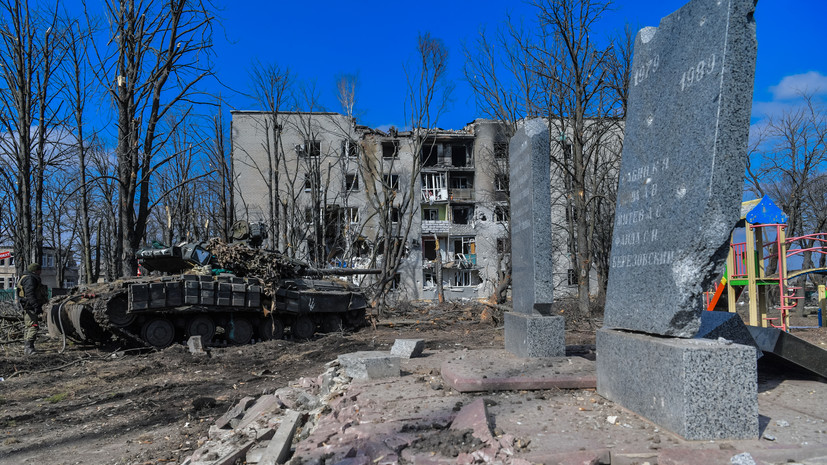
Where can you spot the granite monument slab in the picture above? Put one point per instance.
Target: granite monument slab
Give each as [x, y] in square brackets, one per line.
[529, 182]
[682, 169]
[531, 330]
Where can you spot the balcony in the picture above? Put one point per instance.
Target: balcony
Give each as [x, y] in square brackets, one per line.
[462, 195]
[437, 227]
[435, 195]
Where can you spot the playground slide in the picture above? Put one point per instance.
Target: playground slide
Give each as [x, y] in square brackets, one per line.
[713, 302]
[791, 349]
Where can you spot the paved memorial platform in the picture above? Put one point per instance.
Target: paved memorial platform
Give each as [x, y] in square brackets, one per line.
[499, 370]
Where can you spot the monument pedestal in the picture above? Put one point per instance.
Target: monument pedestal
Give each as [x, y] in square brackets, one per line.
[698, 388]
[535, 335]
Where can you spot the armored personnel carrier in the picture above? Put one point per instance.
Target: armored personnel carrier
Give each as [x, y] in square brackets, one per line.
[222, 292]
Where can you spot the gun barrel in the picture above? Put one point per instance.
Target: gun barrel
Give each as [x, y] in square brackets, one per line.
[341, 271]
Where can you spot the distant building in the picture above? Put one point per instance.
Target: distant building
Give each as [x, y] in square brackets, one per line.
[352, 178]
[8, 273]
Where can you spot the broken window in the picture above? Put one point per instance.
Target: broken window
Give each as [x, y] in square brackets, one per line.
[429, 154]
[428, 279]
[501, 182]
[462, 214]
[462, 181]
[428, 248]
[308, 182]
[459, 155]
[462, 278]
[500, 149]
[465, 248]
[350, 148]
[351, 182]
[351, 215]
[391, 181]
[394, 214]
[390, 149]
[501, 214]
[572, 277]
[503, 245]
[430, 214]
[433, 187]
[311, 148]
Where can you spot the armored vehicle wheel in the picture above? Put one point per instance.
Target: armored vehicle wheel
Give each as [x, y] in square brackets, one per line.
[240, 331]
[331, 323]
[303, 328]
[203, 326]
[116, 311]
[270, 328]
[158, 332]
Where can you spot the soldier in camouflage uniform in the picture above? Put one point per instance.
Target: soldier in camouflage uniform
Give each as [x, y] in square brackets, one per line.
[32, 294]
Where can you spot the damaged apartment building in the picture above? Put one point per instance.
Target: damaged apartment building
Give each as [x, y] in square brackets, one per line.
[335, 193]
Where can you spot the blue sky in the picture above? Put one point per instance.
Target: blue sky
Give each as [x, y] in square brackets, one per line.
[322, 39]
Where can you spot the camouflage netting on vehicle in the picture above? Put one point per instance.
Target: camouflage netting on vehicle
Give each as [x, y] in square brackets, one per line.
[267, 265]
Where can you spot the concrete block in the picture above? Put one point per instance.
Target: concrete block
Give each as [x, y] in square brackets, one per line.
[279, 447]
[474, 416]
[195, 345]
[265, 404]
[535, 335]
[234, 412]
[408, 348]
[697, 388]
[367, 365]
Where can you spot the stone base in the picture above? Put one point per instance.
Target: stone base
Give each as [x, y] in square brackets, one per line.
[697, 388]
[535, 336]
[368, 365]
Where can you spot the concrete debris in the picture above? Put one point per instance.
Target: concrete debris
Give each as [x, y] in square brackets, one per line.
[369, 365]
[263, 430]
[196, 346]
[474, 416]
[330, 419]
[408, 348]
[234, 412]
[279, 447]
[742, 459]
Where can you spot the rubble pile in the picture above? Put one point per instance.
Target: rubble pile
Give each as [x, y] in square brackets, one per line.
[261, 431]
[334, 419]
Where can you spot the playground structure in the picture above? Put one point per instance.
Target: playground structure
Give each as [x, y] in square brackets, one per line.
[760, 264]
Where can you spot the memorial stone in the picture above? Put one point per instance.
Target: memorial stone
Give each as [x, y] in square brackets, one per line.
[679, 197]
[529, 182]
[682, 169]
[530, 331]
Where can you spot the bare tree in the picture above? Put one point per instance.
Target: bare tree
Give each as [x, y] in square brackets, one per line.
[427, 98]
[221, 184]
[788, 163]
[556, 70]
[78, 89]
[272, 88]
[29, 42]
[156, 55]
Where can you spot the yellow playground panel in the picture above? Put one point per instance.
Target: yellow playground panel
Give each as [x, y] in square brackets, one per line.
[760, 263]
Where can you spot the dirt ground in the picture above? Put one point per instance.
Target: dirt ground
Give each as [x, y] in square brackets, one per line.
[96, 405]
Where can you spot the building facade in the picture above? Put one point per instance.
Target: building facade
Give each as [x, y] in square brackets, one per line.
[49, 272]
[339, 194]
